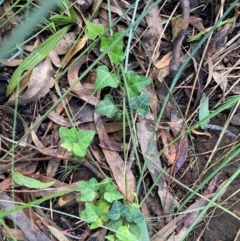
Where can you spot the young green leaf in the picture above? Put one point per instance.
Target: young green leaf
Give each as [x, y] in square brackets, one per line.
[76, 141]
[140, 103]
[105, 78]
[136, 83]
[94, 30]
[116, 54]
[88, 190]
[112, 193]
[124, 234]
[108, 108]
[29, 182]
[38, 54]
[91, 213]
[110, 237]
[203, 110]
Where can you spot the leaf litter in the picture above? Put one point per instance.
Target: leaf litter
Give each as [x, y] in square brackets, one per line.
[100, 102]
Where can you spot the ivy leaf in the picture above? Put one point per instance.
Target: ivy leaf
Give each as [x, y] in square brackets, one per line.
[108, 108]
[136, 83]
[110, 237]
[116, 54]
[124, 234]
[98, 223]
[117, 210]
[112, 193]
[115, 224]
[203, 110]
[91, 213]
[140, 103]
[29, 182]
[94, 30]
[76, 141]
[105, 78]
[104, 206]
[135, 229]
[88, 190]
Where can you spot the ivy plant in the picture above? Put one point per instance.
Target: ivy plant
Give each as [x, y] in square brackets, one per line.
[134, 83]
[103, 208]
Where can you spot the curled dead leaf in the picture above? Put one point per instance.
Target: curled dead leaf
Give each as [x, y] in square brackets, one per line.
[164, 61]
[84, 92]
[40, 82]
[66, 43]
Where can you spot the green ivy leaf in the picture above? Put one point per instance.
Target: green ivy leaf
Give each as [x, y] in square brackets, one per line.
[105, 78]
[115, 224]
[108, 108]
[112, 193]
[135, 229]
[124, 234]
[76, 141]
[203, 110]
[116, 54]
[140, 103]
[98, 223]
[91, 213]
[117, 210]
[136, 83]
[94, 30]
[110, 237]
[29, 182]
[88, 190]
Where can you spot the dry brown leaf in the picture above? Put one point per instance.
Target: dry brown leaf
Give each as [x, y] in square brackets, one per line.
[58, 119]
[65, 43]
[178, 24]
[17, 233]
[164, 61]
[10, 13]
[196, 23]
[20, 219]
[83, 93]
[12, 63]
[220, 77]
[164, 72]
[153, 33]
[219, 39]
[236, 119]
[6, 184]
[123, 176]
[26, 168]
[57, 233]
[55, 58]
[112, 145]
[40, 82]
[66, 200]
[77, 47]
[15, 94]
[170, 151]
[153, 163]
